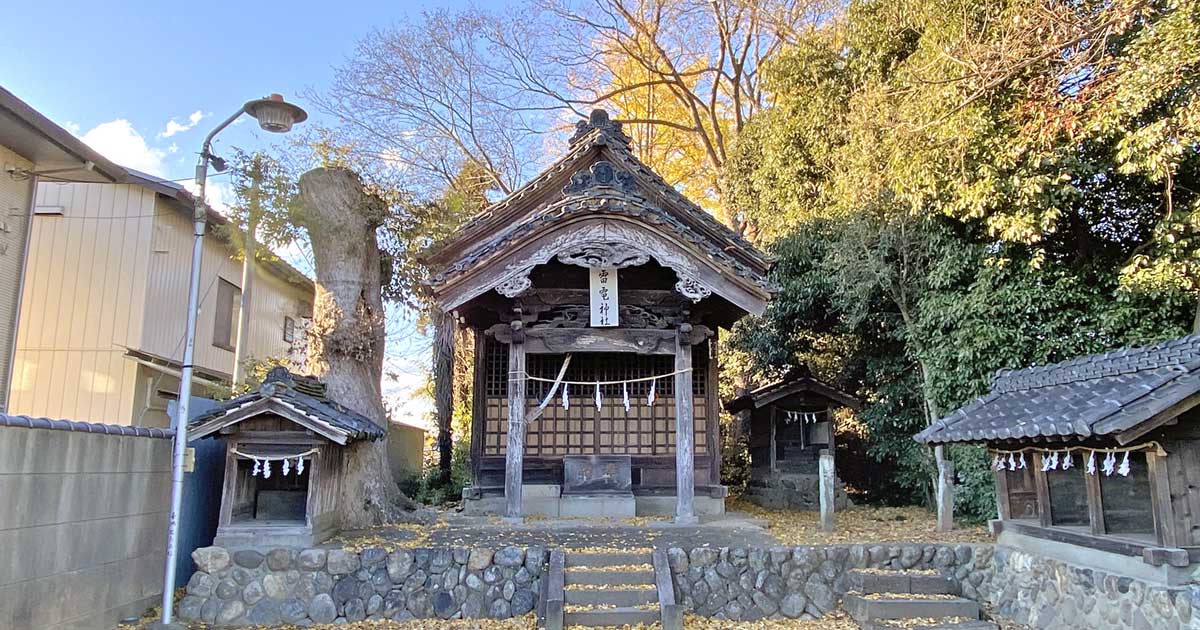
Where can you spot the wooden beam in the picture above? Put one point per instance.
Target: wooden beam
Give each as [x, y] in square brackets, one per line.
[1042, 485]
[478, 404]
[1160, 500]
[772, 455]
[515, 449]
[1095, 504]
[685, 464]
[1003, 511]
[570, 340]
[827, 488]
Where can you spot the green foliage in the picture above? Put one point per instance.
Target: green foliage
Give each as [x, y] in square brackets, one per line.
[956, 188]
[431, 488]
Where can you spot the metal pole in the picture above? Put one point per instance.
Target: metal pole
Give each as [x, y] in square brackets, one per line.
[199, 223]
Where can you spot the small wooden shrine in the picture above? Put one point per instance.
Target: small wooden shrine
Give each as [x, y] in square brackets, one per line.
[789, 423]
[1101, 452]
[285, 444]
[595, 292]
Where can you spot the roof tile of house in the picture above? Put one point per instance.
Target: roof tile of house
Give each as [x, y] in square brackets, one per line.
[1098, 395]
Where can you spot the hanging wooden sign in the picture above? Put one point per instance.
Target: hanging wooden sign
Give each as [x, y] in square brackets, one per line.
[604, 296]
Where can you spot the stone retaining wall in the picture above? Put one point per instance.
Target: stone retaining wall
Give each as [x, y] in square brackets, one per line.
[1045, 593]
[804, 582]
[335, 585]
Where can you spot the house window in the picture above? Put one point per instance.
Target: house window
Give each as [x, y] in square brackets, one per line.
[1068, 497]
[1126, 500]
[289, 329]
[229, 302]
[1022, 493]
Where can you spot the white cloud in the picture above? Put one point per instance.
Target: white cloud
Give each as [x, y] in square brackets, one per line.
[72, 127]
[118, 141]
[174, 126]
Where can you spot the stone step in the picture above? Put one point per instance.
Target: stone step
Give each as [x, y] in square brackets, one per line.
[605, 559]
[610, 597]
[609, 578]
[946, 623]
[610, 617]
[898, 606]
[875, 581]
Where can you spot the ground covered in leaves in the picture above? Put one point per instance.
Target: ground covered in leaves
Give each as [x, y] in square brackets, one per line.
[860, 525]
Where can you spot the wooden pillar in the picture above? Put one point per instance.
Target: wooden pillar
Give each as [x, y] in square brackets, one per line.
[945, 490]
[773, 456]
[514, 454]
[828, 488]
[685, 458]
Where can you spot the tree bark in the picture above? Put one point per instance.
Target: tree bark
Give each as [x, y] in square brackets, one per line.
[346, 339]
[443, 387]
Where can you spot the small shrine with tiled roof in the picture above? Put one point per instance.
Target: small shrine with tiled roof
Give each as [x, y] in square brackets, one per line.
[283, 460]
[596, 291]
[1101, 451]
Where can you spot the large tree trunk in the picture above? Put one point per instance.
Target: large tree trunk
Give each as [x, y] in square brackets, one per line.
[346, 341]
[444, 335]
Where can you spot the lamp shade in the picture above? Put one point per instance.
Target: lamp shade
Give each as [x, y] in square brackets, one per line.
[275, 114]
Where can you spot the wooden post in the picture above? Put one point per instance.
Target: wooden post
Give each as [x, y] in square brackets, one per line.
[773, 456]
[514, 453]
[944, 491]
[685, 459]
[828, 483]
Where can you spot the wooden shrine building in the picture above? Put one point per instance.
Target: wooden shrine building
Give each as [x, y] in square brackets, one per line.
[285, 446]
[595, 292]
[789, 424]
[1096, 459]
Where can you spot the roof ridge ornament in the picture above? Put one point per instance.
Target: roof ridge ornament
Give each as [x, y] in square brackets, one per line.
[599, 119]
[602, 174]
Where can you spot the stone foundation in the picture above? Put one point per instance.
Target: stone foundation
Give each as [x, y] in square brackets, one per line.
[793, 491]
[336, 585]
[1043, 592]
[803, 582]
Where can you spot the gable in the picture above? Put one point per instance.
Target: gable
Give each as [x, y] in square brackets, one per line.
[598, 197]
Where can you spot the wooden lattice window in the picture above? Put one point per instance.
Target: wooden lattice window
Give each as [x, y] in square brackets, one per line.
[646, 429]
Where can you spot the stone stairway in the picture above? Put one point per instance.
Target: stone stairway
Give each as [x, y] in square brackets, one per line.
[609, 589]
[914, 600]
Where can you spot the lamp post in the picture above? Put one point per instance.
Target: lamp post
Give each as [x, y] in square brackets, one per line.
[273, 115]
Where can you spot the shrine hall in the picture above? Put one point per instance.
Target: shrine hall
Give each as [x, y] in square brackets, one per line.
[595, 294]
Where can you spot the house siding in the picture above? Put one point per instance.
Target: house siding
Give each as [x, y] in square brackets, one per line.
[85, 282]
[112, 273]
[14, 203]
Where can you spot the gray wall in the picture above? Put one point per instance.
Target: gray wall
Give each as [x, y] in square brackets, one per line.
[82, 526]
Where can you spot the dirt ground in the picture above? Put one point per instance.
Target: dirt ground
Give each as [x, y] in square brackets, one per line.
[860, 525]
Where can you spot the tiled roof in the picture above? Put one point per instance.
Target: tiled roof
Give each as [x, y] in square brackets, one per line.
[304, 394]
[1098, 395]
[82, 427]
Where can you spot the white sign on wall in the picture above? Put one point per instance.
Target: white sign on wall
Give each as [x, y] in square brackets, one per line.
[604, 296]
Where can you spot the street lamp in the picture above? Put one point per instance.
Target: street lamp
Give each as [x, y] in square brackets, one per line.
[276, 116]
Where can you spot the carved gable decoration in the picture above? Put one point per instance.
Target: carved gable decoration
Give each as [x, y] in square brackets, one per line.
[601, 174]
[598, 207]
[604, 255]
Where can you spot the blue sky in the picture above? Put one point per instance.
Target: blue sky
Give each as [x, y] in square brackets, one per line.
[143, 82]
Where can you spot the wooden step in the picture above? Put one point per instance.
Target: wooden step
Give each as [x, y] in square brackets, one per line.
[945, 623]
[606, 559]
[621, 616]
[876, 581]
[610, 596]
[865, 608]
[610, 578]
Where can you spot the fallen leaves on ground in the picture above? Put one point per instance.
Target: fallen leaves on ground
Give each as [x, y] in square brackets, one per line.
[834, 621]
[860, 525]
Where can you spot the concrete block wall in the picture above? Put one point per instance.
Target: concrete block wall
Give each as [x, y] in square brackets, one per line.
[82, 528]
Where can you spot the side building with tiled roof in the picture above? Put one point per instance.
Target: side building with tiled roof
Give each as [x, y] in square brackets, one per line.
[1101, 453]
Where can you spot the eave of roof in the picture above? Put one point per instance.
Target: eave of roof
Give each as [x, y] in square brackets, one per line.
[771, 392]
[1118, 395]
[56, 140]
